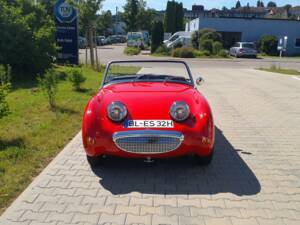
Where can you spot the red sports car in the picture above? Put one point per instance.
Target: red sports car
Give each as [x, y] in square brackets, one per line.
[148, 109]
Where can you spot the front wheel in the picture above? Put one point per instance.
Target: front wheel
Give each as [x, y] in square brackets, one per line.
[206, 160]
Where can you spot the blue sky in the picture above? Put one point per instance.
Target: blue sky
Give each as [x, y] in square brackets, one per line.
[161, 4]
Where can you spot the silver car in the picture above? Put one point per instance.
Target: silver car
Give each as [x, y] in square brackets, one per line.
[243, 49]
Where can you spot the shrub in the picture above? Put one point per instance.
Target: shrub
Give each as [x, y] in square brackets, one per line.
[48, 83]
[183, 52]
[132, 51]
[217, 47]
[163, 50]
[207, 45]
[27, 40]
[197, 35]
[77, 78]
[268, 44]
[4, 89]
[211, 35]
[200, 54]
[223, 53]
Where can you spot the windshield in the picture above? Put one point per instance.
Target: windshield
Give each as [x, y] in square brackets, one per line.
[149, 71]
[174, 38]
[248, 45]
[135, 36]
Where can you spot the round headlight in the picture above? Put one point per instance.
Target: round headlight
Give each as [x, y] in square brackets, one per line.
[117, 111]
[180, 111]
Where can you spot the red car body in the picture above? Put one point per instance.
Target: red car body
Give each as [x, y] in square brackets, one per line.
[148, 101]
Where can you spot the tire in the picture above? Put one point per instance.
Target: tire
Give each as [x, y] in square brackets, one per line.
[94, 161]
[205, 161]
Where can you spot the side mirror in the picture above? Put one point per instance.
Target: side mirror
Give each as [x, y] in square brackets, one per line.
[199, 81]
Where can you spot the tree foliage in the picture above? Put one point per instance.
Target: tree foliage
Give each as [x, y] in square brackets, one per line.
[174, 17]
[157, 35]
[137, 16]
[5, 76]
[130, 15]
[268, 44]
[104, 22]
[146, 17]
[272, 4]
[238, 4]
[260, 3]
[27, 40]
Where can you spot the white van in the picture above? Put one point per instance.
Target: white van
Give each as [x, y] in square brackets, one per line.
[176, 35]
[135, 39]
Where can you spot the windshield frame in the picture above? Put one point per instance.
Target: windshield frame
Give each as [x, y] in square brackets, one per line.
[192, 83]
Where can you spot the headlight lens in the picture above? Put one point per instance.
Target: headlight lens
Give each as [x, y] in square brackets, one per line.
[117, 111]
[180, 111]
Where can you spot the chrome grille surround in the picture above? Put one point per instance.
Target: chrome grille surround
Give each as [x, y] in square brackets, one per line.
[148, 141]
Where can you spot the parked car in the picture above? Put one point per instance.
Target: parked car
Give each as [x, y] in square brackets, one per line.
[181, 41]
[135, 39]
[82, 42]
[243, 49]
[100, 40]
[121, 120]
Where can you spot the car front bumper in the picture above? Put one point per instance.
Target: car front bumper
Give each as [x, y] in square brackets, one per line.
[149, 143]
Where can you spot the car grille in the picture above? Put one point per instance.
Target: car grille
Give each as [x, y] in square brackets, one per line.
[149, 141]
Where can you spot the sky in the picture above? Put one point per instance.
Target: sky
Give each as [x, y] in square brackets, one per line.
[208, 4]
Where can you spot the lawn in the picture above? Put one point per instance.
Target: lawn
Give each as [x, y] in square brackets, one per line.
[31, 135]
[275, 69]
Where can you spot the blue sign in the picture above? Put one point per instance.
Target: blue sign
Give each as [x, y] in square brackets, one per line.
[66, 32]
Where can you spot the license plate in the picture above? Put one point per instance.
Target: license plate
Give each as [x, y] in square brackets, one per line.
[149, 124]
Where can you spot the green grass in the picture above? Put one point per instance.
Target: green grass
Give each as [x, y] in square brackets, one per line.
[275, 69]
[31, 135]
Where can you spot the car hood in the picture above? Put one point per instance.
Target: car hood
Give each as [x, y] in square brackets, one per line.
[145, 100]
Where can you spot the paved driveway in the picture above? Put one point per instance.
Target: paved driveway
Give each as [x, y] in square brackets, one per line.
[253, 179]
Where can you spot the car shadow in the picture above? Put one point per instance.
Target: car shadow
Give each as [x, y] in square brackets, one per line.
[227, 173]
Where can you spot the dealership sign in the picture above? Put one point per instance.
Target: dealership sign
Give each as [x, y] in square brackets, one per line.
[66, 32]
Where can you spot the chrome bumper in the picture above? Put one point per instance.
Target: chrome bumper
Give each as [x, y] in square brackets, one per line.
[148, 141]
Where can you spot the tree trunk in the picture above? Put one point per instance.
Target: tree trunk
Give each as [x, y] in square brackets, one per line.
[96, 49]
[91, 45]
[86, 49]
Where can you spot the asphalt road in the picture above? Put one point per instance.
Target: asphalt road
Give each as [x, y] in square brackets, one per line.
[115, 52]
[254, 177]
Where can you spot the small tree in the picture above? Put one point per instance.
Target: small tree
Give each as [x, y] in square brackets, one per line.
[268, 44]
[130, 15]
[157, 35]
[77, 78]
[197, 35]
[272, 4]
[238, 4]
[5, 76]
[207, 39]
[48, 83]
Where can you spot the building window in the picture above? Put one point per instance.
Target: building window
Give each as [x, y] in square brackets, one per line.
[297, 43]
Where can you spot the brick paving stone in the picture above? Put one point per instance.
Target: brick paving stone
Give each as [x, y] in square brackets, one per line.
[237, 221]
[145, 210]
[133, 219]
[110, 218]
[217, 221]
[188, 220]
[85, 218]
